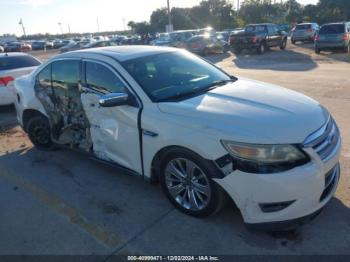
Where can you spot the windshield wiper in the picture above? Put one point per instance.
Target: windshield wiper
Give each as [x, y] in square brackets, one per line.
[197, 91]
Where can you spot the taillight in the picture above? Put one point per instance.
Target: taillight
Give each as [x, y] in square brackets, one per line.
[5, 80]
[196, 45]
[345, 37]
[254, 39]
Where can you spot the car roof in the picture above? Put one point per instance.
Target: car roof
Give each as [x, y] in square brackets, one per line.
[121, 53]
[337, 23]
[260, 24]
[306, 23]
[13, 54]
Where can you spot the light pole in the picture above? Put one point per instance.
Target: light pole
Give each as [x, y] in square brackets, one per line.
[24, 30]
[98, 25]
[169, 27]
[60, 26]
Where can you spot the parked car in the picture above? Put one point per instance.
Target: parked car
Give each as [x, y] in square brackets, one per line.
[175, 38]
[224, 35]
[58, 43]
[13, 65]
[17, 47]
[99, 44]
[72, 46]
[166, 114]
[39, 45]
[259, 37]
[163, 39]
[333, 36]
[205, 45]
[304, 32]
[284, 27]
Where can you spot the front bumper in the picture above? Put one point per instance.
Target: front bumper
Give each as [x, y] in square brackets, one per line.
[304, 186]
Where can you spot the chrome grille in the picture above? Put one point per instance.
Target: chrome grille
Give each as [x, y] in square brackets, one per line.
[324, 140]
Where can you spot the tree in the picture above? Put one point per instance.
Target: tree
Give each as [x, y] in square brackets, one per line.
[293, 12]
[159, 19]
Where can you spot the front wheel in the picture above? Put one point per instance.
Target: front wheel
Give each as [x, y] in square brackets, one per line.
[187, 182]
[283, 44]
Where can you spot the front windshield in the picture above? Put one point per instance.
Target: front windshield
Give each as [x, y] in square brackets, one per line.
[174, 75]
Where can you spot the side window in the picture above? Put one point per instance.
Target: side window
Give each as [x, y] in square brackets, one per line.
[102, 79]
[65, 77]
[270, 29]
[44, 77]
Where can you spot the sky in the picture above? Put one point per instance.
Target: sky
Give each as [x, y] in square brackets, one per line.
[44, 16]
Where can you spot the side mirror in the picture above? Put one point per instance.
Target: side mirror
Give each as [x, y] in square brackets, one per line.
[114, 99]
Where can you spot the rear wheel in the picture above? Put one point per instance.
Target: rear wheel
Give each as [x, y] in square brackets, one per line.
[237, 51]
[205, 52]
[39, 132]
[262, 48]
[186, 180]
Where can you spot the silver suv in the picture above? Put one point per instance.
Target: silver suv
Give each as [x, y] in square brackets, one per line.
[305, 32]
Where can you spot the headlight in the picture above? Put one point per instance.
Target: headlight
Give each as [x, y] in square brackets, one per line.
[264, 154]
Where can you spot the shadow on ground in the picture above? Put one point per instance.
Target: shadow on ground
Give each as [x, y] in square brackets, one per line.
[338, 55]
[136, 213]
[7, 118]
[216, 58]
[287, 60]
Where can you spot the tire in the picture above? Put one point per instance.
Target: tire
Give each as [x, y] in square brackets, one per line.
[39, 132]
[262, 48]
[317, 50]
[226, 49]
[237, 51]
[180, 188]
[205, 52]
[283, 44]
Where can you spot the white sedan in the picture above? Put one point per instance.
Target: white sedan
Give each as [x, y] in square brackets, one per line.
[13, 65]
[167, 115]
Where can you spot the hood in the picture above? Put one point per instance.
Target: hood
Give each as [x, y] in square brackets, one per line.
[252, 112]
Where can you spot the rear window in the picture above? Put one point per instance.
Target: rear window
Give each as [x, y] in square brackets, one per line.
[303, 27]
[14, 62]
[333, 29]
[255, 28]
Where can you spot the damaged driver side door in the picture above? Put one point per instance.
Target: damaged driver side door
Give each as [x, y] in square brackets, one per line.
[114, 130]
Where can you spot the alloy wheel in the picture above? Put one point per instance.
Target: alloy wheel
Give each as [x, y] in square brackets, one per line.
[187, 184]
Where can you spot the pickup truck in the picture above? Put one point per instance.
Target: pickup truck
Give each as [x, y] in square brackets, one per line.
[258, 37]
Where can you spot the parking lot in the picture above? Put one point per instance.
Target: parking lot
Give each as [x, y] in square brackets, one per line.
[60, 202]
